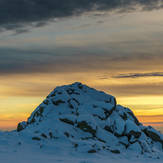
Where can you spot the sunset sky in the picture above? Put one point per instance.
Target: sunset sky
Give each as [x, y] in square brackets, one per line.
[111, 45]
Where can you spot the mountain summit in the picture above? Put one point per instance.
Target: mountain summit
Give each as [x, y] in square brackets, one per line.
[90, 121]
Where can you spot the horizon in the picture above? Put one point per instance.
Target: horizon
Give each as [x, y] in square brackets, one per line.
[113, 46]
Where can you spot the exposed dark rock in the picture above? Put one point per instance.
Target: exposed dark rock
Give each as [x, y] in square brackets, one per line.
[154, 136]
[92, 151]
[21, 126]
[115, 151]
[67, 121]
[133, 116]
[38, 113]
[51, 135]
[83, 125]
[71, 103]
[19, 143]
[41, 110]
[108, 101]
[76, 145]
[57, 102]
[67, 134]
[53, 94]
[78, 103]
[115, 102]
[43, 135]
[126, 145]
[36, 138]
[71, 91]
[108, 112]
[103, 141]
[46, 102]
[134, 133]
[59, 93]
[95, 106]
[108, 128]
[80, 86]
[124, 116]
[32, 121]
[87, 138]
[101, 118]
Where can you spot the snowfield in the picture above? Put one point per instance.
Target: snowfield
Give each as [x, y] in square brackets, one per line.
[78, 124]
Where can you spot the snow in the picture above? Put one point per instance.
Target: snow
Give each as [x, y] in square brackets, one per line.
[79, 124]
[135, 147]
[131, 126]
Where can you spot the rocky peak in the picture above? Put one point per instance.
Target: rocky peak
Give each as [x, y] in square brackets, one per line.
[73, 98]
[86, 117]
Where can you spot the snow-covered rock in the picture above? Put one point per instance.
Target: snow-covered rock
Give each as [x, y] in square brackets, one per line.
[21, 126]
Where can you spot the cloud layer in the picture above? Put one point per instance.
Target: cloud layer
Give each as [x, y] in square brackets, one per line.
[18, 61]
[138, 75]
[16, 14]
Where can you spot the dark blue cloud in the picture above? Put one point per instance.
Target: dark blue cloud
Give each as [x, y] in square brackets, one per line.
[138, 75]
[16, 14]
[73, 59]
[64, 59]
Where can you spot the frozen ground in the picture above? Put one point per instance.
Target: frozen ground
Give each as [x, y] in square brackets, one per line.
[16, 149]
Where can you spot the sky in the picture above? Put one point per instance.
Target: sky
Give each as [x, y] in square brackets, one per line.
[112, 45]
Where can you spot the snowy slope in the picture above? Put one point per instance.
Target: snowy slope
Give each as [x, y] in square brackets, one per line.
[83, 125]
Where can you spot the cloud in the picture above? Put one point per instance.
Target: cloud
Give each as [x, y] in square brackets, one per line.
[44, 60]
[139, 75]
[17, 14]
[128, 89]
[18, 61]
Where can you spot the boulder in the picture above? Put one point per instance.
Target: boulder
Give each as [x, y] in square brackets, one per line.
[21, 126]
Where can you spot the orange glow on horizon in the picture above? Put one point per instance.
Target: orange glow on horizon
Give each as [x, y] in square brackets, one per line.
[10, 121]
[26, 92]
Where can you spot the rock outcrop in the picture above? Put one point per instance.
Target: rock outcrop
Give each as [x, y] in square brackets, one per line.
[91, 121]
